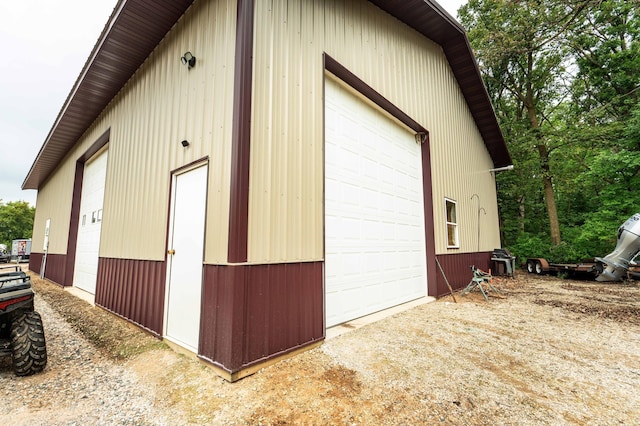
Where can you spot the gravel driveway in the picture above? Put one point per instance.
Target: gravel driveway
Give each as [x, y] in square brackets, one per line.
[80, 386]
[550, 352]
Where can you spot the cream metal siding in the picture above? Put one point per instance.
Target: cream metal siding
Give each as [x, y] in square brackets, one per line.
[56, 195]
[161, 105]
[54, 202]
[286, 193]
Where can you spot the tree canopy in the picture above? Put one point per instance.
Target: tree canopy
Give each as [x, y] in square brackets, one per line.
[16, 221]
[564, 80]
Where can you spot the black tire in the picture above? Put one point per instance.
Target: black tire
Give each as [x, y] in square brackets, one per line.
[539, 270]
[28, 344]
[531, 268]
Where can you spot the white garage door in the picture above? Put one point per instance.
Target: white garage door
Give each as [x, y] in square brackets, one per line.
[90, 223]
[375, 254]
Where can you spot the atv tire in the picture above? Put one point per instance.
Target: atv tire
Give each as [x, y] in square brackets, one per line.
[28, 345]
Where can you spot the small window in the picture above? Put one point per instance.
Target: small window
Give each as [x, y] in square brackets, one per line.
[84, 219]
[99, 218]
[94, 216]
[452, 223]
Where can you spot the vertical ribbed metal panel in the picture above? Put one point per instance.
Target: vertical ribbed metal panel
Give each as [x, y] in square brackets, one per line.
[55, 196]
[133, 289]
[163, 104]
[252, 313]
[54, 202]
[457, 267]
[285, 210]
[55, 269]
[284, 308]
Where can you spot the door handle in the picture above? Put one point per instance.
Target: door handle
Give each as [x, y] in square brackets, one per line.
[171, 252]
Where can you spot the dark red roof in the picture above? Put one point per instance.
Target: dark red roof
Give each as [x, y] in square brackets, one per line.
[136, 27]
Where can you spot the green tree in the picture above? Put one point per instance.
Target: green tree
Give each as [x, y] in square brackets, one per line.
[16, 221]
[523, 60]
[607, 52]
[603, 123]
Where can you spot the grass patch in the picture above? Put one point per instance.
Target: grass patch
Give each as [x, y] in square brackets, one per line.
[118, 339]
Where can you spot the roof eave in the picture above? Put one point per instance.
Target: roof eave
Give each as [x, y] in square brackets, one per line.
[130, 36]
[126, 41]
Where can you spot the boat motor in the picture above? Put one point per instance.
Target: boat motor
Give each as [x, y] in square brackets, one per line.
[613, 267]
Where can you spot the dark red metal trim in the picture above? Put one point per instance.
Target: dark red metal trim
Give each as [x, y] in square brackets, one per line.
[102, 140]
[429, 237]
[74, 218]
[241, 135]
[204, 160]
[73, 223]
[337, 69]
[432, 21]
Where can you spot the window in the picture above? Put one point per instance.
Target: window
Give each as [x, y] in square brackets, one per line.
[452, 223]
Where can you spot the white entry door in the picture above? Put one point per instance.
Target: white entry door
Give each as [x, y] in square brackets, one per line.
[185, 258]
[90, 223]
[375, 253]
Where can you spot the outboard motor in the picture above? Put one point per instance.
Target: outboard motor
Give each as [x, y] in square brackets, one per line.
[613, 267]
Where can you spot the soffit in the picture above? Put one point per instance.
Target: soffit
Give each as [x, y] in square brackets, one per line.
[134, 29]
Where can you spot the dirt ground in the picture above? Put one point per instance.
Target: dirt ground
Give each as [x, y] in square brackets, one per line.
[544, 351]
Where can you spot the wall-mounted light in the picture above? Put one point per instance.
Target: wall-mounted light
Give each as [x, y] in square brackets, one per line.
[421, 137]
[185, 143]
[188, 59]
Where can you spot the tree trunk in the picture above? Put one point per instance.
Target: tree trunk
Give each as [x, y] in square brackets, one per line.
[549, 195]
[543, 152]
[521, 214]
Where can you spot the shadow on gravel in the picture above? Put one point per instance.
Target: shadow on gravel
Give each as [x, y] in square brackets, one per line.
[116, 338]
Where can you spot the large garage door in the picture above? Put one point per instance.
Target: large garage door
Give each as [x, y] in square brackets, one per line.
[375, 254]
[90, 225]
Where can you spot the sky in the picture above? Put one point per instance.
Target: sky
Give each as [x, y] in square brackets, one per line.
[44, 45]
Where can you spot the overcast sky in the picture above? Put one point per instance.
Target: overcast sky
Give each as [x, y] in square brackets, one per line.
[44, 45]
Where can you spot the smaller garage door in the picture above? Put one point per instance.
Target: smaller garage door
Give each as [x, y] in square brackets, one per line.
[90, 223]
[375, 254]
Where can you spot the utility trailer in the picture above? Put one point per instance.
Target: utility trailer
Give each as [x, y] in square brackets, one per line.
[539, 265]
[615, 266]
[21, 249]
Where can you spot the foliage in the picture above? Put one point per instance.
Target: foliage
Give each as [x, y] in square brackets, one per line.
[16, 221]
[572, 68]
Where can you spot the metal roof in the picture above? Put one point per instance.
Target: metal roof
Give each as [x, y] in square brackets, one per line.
[136, 27]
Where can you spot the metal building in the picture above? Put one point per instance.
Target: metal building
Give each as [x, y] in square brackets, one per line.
[235, 176]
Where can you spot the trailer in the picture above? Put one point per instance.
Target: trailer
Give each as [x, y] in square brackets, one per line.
[616, 266]
[21, 250]
[539, 265]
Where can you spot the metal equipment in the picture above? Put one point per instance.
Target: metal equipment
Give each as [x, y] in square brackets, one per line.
[614, 266]
[479, 280]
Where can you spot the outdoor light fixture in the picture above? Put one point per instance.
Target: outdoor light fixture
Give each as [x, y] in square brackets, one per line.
[185, 143]
[188, 59]
[421, 137]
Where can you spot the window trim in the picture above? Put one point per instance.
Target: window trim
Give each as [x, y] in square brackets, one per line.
[456, 224]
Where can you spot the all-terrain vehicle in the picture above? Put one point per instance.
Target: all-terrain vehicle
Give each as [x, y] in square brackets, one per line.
[21, 331]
